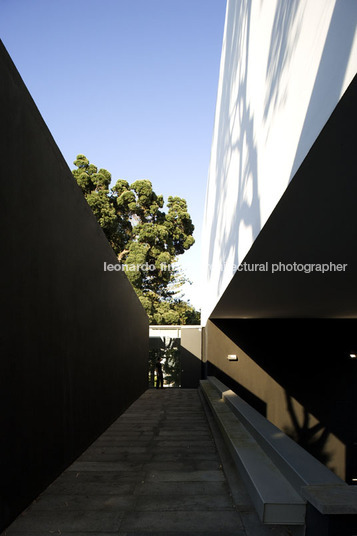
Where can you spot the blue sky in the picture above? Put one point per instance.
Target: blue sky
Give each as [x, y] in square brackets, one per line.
[131, 84]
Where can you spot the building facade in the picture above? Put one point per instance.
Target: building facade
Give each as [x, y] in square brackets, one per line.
[279, 262]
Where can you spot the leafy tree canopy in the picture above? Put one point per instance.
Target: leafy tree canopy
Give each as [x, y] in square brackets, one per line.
[146, 239]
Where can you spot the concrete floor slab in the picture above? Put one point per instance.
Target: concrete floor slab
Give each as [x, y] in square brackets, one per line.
[181, 488]
[103, 465]
[71, 521]
[161, 503]
[186, 455]
[181, 533]
[71, 478]
[185, 476]
[183, 521]
[156, 471]
[54, 533]
[185, 465]
[95, 466]
[90, 488]
[59, 503]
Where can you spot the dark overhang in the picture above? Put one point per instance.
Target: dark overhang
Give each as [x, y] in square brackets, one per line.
[314, 224]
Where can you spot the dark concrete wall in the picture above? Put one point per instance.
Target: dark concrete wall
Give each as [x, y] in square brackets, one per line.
[74, 339]
[298, 374]
[191, 356]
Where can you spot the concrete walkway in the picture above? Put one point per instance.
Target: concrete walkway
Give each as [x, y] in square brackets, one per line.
[157, 470]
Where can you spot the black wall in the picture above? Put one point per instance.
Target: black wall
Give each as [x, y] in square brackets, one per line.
[310, 360]
[74, 339]
[191, 356]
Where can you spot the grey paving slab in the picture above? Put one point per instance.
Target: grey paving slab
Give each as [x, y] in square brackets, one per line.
[184, 465]
[117, 456]
[140, 427]
[181, 533]
[130, 427]
[176, 455]
[135, 533]
[122, 441]
[184, 450]
[130, 448]
[61, 533]
[185, 476]
[71, 478]
[182, 488]
[178, 444]
[100, 450]
[90, 488]
[181, 434]
[159, 503]
[155, 471]
[71, 521]
[83, 502]
[191, 521]
[102, 466]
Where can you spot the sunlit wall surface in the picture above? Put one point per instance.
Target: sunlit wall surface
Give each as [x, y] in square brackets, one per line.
[285, 64]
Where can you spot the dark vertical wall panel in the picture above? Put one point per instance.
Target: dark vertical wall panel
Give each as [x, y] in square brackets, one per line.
[191, 356]
[74, 339]
[298, 373]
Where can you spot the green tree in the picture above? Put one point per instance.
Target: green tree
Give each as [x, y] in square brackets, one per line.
[146, 239]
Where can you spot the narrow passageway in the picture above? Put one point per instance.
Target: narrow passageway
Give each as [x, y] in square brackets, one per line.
[156, 470]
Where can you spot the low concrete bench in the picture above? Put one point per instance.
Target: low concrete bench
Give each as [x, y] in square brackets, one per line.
[280, 475]
[274, 498]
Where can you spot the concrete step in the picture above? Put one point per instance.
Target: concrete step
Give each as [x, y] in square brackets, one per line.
[274, 498]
